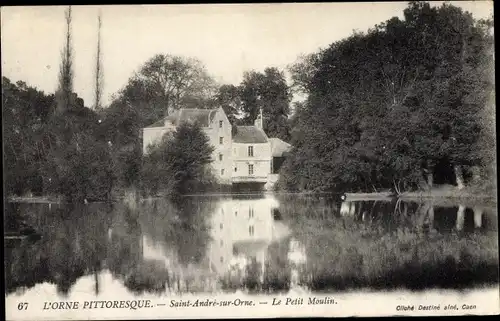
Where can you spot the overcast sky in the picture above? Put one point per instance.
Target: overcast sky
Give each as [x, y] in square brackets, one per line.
[228, 39]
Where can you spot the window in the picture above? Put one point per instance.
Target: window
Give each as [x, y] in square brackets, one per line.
[220, 157]
[251, 230]
[220, 123]
[221, 226]
[250, 151]
[235, 213]
[235, 168]
[221, 140]
[221, 242]
[250, 212]
[250, 169]
[221, 259]
[222, 171]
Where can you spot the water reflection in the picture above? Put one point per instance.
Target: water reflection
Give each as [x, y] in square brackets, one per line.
[424, 215]
[254, 243]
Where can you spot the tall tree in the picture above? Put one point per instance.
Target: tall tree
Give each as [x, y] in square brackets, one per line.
[267, 91]
[78, 165]
[166, 83]
[229, 98]
[65, 89]
[98, 69]
[302, 72]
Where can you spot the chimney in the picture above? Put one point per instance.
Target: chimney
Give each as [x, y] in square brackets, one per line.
[259, 121]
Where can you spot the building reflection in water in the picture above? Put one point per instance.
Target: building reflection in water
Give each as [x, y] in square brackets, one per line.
[242, 230]
[298, 259]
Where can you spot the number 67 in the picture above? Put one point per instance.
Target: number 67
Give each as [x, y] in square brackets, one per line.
[22, 306]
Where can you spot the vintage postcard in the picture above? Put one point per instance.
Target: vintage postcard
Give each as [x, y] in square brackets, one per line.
[249, 160]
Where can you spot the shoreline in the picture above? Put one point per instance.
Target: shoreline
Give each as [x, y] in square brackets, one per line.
[34, 200]
[455, 196]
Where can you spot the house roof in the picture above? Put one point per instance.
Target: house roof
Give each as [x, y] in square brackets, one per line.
[249, 135]
[279, 147]
[160, 123]
[202, 116]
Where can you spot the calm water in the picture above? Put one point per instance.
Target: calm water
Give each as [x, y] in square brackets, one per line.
[266, 243]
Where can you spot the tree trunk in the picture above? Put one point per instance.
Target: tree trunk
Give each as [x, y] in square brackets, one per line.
[423, 211]
[476, 175]
[352, 210]
[96, 282]
[429, 171]
[459, 176]
[478, 217]
[430, 216]
[405, 209]
[430, 179]
[460, 217]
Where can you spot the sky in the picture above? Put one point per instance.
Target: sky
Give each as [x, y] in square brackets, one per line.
[228, 39]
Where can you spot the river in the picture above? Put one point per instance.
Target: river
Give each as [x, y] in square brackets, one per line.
[262, 243]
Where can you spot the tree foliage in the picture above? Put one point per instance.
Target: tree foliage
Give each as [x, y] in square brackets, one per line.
[55, 144]
[229, 98]
[162, 84]
[178, 165]
[383, 105]
[165, 83]
[99, 76]
[25, 115]
[66, 74]
[267, 91]
[51, 153]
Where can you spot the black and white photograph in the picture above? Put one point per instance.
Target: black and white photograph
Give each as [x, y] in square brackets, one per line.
[249, 160]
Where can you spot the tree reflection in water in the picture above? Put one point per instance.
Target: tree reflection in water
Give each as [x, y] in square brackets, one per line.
[180, 233]
[73, 242]
[81, 240]
[161, 246]
[384, 245]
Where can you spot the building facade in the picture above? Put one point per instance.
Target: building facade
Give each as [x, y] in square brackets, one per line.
[251, 155]
[243, 154]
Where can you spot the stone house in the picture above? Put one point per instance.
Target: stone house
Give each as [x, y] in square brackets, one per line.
[251, 154]
[242, 155]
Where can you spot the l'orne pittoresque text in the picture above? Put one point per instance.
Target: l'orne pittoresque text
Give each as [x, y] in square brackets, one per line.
[183, 303]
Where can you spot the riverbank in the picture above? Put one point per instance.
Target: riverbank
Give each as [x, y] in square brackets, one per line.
[387, 196]
[448, 196]
[438, 195]
[34, 199]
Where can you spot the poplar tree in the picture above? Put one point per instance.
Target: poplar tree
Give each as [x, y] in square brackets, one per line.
[65, 89]
[98, 68]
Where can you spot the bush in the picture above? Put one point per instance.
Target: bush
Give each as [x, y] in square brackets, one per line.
[80, 171]
[179, 164]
